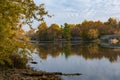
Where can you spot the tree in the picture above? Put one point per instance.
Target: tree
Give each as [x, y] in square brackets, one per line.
[14, 13]
[93, 34]
[66, 32]
[54, 32]
[31, 34]
[42, 32]
[112, 21]
[75, 31]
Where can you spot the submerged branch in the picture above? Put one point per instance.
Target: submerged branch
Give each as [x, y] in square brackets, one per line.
[52, 73]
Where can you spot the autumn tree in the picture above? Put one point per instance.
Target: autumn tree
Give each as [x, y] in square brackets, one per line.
[31, 34]
[54, 32]
[42, 32]
[14, 13]
[93, 34]
[112, 21]
[87, 30]
[75, 31]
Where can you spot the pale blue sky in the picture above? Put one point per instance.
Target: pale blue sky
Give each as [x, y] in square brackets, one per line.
[76, 11]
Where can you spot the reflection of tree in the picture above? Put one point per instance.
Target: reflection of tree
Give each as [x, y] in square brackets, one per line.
[88, 51]
[49, 49]
[66, 49]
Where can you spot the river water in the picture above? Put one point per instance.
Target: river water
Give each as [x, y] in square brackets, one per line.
[91, 60]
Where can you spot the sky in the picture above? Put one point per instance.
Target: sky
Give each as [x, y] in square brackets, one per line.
[76, 11]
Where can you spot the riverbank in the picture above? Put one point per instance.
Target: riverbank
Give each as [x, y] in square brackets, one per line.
[23, 74]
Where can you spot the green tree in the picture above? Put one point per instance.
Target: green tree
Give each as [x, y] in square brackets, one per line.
[66, 32]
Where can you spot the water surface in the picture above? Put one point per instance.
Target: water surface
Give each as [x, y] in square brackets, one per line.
[91, 60]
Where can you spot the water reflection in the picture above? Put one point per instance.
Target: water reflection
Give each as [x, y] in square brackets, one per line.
[93, 61]
[87, 51]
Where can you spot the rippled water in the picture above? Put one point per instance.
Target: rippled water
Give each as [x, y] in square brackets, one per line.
[91, 60]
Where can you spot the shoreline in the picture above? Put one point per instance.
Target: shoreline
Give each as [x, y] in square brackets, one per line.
[20, 74]
[30, 74]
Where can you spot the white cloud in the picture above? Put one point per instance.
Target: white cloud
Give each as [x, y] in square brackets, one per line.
[75, 11]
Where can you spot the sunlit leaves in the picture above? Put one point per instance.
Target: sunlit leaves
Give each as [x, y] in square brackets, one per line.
[93, 34]
[13, 13]
[87, 30]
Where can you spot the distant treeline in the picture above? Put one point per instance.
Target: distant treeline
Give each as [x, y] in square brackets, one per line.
[87, 30]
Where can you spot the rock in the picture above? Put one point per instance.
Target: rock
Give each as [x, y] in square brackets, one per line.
[33, 62]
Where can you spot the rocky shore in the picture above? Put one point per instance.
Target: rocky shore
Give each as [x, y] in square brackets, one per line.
[26, 74]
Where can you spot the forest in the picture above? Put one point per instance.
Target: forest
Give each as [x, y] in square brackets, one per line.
[87, 30]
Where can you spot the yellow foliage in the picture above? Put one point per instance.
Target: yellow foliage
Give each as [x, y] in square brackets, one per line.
[93, 33]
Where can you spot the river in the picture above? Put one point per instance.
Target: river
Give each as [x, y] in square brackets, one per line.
[89, 59]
